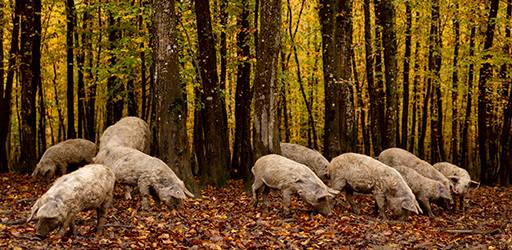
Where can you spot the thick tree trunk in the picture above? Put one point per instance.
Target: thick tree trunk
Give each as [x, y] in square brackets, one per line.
[505, 171]
[28, 88]
[372, 91]
[386, 17]
[465, 131]
[434, 65]
[266, 127]
[346, 136]
[215, 120]
[242, 160]
[170, 98]
[407, 60]
[70, 26]
[486, 132]
[455, 159]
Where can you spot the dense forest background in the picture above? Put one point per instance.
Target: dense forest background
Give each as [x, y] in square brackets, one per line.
[433, 77]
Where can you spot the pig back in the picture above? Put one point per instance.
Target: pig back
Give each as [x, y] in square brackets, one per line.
[130, 132]
[304, 155]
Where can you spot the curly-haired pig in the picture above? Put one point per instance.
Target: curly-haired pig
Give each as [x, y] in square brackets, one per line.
[278, 172]
[130, 131]
[461, 181]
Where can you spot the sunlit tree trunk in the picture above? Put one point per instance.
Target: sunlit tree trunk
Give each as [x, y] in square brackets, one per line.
[407, 61]
[379, 77]
[265, 126]
[455, 89]
[170, 96]
[465, 131]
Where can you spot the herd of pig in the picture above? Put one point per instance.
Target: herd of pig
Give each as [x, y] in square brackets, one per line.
[398, 180]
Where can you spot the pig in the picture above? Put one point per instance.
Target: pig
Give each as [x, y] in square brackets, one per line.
[278, 172]
[65, 155]
[108, 155]
[460, 179]
[398, 156]
[352, 172]
[425, 189]
[89, 187]
[129, 132]
[309, 157]
[151, 175]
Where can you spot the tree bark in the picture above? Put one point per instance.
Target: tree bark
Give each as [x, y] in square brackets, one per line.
[215, 121]
[80, 61]
[28, 88]
[70, 26]
[436, 106]
[283, 107]
[465, 131]
[265, 126]
[379, 86]
[505, 171]
[90, 126]
[455, 159]
[242, 159]
[170, 95]
[407, 60]
[386, 17]
[372, 91]
[115, 88]
[486, 134]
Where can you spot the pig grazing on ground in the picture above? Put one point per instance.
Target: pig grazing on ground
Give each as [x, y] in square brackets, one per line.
[151, 175]
[423, 188]
[90, 187]
[278, 172]
[130, 132]
[460, 179]
[71, 153]
[108, 155]
[309, 157]
[401, 157]
[351, 172]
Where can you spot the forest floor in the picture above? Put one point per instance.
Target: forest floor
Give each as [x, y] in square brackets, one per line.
[225, 218]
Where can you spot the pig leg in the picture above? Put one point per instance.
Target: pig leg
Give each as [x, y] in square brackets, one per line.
[128, 192]
[68, 227]
[424, 202]
[461, 202]
[287, 200]
[144, 192]
[350, 193]
[380, 200]
[101, 215]
[258, 183]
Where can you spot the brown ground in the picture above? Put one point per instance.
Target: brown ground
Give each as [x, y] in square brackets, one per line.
[224, 218]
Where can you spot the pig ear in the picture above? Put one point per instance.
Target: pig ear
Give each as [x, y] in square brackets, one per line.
[333, 192]
[185, 190]
[477, 184]
[35, 208]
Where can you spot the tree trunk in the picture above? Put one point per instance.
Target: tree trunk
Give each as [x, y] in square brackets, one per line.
[365, 143]
[465, 144]
[386, 17]
[416, 96]
[242, 160]
[436, 106]
[407, 60]
[80, 60]
[170, 95]
[142, 56]
[28, 88]
[265, 128]
[70, 26]
[346, 136]
[486, 134]
[283, 108]
[215, 121]
[379, 86]
[115, 88]
[455, 159]
[62, 130]
[90, 127]
[372, 90]
[505, 171]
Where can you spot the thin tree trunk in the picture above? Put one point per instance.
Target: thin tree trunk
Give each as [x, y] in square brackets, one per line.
[90, 127]
[265, 126]
[70, 26]
[115, 88]
[171, 100]
[465, 144]
[365, 142]
[242, 149]
[455, 157]
[62, 130]
[142, 56]
[417, 94]
[215, 122]
[486, 133]
[80, 61]
[284, 99]
[379, 86]
[407, 60]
